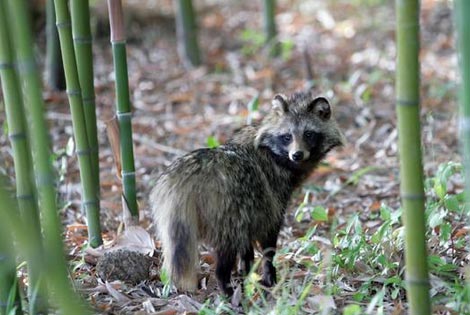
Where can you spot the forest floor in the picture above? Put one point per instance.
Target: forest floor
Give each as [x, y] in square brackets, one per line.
[341, 249]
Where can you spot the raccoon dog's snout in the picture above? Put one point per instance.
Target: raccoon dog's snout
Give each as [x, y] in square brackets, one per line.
[298, 150]
[296, 156]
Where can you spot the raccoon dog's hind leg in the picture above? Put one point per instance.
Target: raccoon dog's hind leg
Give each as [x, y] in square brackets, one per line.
[226, 259]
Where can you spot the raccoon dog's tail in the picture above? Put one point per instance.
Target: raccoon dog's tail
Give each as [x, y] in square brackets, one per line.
[177, 226]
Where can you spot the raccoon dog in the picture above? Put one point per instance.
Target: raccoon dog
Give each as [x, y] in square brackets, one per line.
[236, 195]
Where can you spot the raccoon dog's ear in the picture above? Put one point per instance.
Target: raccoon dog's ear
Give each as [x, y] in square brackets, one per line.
[280, 105]
[321, 107]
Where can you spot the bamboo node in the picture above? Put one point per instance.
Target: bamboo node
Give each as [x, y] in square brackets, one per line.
[90, 100]
[6, 65]
[83, 152]
[17, 136]
[63, 24]
[26, 66]
[127, 174]
[25, 197]
[420, 282]
[82, 39]
[124, 116]
[412, 196]
[76, 92]
[118, 41]
[90, 202]
[407, 102]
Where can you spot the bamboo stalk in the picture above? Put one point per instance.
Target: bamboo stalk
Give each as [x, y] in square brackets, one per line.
[462, 13]
[54, 68]
[23, 167]
[11, 224]
[56, 268]
[123, 103]
[411, 170]
[89, 195]
[269, 11]
[82, 39]
[9, 291]
[186, 27]
[270, 30]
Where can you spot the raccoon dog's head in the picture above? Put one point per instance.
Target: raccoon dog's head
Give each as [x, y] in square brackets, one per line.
[300, 129]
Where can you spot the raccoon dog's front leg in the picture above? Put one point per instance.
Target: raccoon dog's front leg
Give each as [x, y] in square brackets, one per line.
[269, 250]
[223, 271]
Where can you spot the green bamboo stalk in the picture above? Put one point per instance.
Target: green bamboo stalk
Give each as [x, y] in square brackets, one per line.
[89, 194]
[411, 170]
[186, 27]
[54, 67]
[12, 225]
[269, 11]
[56, 267]
[270, 30]
[23, 167]
[123, 103]
[462, 13]
[82, 39]
[9, 291]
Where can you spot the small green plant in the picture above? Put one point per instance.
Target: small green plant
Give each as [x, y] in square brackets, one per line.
[352, 309]
[212, 142]
[254, 41]
[165, 278]
[357, 175]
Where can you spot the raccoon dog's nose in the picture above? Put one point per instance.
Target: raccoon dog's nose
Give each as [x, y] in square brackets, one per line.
[298, 156]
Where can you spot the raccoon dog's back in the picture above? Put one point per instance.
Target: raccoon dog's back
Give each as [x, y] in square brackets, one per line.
[220, 196]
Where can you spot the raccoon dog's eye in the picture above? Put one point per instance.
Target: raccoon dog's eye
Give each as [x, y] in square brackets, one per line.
[309, 134]
[286, 138]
